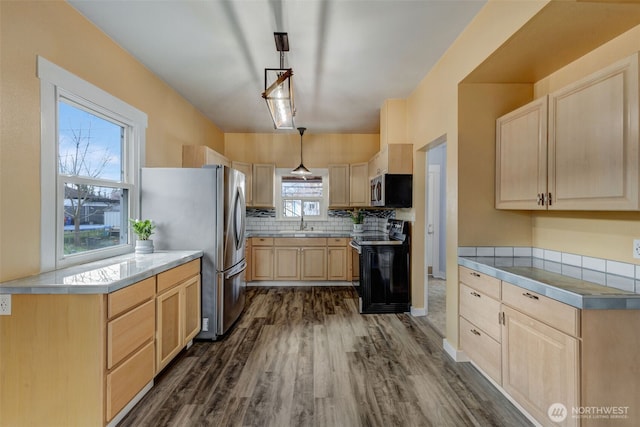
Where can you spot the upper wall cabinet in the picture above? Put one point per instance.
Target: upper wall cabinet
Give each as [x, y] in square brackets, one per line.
[393, 158]
[591, 144]
[339, 177]
[263, 181]
[593, 141]
[196, 156]
[521, 157]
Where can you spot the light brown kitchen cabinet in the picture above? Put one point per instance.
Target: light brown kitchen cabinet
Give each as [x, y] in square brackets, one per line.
[521, 157]
[178, 295]
[262, 258]
[337, 259]
[339, 181]
[540, 366]
[547, 352]
[286, 263]
[117, 332]
[579, 147]
[593, 141]
[196, 156]
[263, 189]
[248, 260]
[480, 330]
[359, 191]
[247, 170]
[394, 159]
[313, 263]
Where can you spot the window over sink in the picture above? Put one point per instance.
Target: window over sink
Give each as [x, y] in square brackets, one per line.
[300, 197]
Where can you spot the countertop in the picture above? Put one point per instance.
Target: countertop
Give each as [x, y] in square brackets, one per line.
[523, 272]
[303, 233]
[100, 277]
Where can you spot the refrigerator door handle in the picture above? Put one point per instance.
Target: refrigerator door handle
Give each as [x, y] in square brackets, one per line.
[239, 268]
[238, 211]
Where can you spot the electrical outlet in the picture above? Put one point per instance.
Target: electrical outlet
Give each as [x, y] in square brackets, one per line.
[5, 305]
[205, 324]
[636, 248]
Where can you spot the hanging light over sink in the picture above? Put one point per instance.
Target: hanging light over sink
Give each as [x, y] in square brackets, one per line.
[301, 169]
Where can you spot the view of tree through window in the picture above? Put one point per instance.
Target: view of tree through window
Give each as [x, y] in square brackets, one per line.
[90, 169]
[301, 196]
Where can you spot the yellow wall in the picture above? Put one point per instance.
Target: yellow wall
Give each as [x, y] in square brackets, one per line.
[57, 32]
[479, 222]
[432, 111]
[604, 235]
[283, 149]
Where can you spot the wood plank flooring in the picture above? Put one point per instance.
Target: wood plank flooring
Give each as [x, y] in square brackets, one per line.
[304, 356]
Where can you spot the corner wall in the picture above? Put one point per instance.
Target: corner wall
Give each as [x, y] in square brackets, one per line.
[56, 31]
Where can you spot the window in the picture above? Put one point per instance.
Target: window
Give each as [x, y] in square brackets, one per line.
[91, 149]
[301, 196]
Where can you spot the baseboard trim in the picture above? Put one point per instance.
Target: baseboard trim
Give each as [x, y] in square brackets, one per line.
[418, 312]
[277, 283]
[454, 353]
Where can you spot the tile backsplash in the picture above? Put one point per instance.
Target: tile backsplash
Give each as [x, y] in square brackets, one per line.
[615, 274]
[338, 221]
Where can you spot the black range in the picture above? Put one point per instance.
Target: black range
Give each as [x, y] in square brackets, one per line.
[384, 285]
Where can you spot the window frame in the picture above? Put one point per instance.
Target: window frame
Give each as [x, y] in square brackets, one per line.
[56, 83]
[324, 200]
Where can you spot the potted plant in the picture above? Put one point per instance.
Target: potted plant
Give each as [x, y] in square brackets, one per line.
[357, 216]
[143, 229]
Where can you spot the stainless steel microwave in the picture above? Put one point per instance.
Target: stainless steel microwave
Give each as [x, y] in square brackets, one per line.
[392, 190]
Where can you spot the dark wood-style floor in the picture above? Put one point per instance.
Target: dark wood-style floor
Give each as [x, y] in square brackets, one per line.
[304, 356]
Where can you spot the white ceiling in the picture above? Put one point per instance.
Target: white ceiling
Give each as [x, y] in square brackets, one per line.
[347, 56]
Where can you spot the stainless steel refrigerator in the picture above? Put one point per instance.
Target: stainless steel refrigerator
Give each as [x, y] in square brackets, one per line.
[203, 209]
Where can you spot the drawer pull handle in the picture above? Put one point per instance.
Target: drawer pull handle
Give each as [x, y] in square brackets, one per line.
[528, 295]
[475, 294]
[474, 332]
[475, 274]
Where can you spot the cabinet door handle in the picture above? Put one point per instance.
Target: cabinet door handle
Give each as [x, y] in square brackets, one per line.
[475, 274]
[528, 295]
[474, 332]
[550, 200]
[475, 294]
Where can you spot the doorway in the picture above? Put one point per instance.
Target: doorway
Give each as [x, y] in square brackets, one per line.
[435, 238]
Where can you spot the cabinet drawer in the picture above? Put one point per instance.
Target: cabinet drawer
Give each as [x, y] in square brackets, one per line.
[130, 331]
[128, 379]
[482, 349]
[337, 241]
[481, 310]
[482, 282]
[262, 241]
[554, 313]
[300, 241]
[131, 296]
[176, 275]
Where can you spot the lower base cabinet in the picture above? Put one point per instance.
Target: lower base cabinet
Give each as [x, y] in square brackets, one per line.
[79, 359]
[548, 352]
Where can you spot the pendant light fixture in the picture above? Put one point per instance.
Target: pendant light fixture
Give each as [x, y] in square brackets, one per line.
[279, 94]
[301, 170]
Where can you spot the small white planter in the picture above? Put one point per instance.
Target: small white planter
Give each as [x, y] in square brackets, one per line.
[357, 228]
[144, 246]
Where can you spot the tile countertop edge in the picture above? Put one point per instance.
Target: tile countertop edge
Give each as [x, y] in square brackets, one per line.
[586, 302]
[176, 258]
[299, 234]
